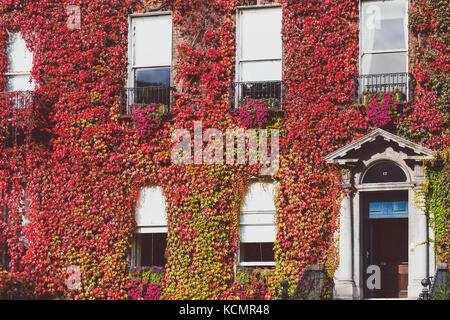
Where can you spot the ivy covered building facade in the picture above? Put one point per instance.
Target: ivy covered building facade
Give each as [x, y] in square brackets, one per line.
[119, 179]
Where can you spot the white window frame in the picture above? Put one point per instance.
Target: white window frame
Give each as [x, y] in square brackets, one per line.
[261, 214]
[131, 47]
[374, 52]
[239, 60]
[156, 228]
[254, 263]
[21, 72]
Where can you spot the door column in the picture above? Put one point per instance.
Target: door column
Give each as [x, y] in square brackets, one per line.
[418, 238]
[344, 283]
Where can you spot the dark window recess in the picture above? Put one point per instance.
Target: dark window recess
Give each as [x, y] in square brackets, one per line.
[257, 252]
[385, 172]
[153, 246]
[152, 85]
[152, 77]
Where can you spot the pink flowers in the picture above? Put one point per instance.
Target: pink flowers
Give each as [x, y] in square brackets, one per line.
[147, 117]
[379, 108]
[253, 112]
[141, 290]
[146, 283]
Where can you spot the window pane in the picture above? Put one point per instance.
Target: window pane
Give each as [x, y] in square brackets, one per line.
[384, 63]
[19, 83]
[250, 252]
[385, 172]
[259, 197]
[256, 252]
[159, 248]
[258, 233]
[267, 252]
[153, 41]
[390, 36]
[19, 58]
[261, 71]
[153, 77]
[146, 249]
[383, 25]
[260, 33]
[151, 208]
[153, 246]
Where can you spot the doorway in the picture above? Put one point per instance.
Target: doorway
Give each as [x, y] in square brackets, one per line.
[386, 242]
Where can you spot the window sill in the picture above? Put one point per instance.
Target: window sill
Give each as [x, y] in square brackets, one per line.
[257, 264]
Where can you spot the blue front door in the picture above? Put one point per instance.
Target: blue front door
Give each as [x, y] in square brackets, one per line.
[386, 220]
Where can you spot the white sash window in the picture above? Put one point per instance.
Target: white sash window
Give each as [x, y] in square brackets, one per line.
[150, 54]
[384, 37]
[257, 226]
[259, 45]
[150, 243]
[19, 64]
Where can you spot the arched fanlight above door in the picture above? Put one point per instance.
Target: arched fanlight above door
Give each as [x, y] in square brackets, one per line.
[386, 171]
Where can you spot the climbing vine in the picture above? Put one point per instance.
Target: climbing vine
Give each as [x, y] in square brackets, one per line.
[80, 184]
[437, 195]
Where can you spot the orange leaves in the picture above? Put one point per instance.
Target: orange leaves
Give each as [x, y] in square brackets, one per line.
[84, 177]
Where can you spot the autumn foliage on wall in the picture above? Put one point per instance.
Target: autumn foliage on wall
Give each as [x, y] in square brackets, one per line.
[81, 173]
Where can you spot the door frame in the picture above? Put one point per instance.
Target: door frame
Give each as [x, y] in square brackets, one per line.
[354, 160]
[367, 231]
[350, 276]
[420, 250]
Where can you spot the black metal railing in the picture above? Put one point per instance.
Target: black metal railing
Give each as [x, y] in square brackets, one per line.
[385, 82]
[273, 91]
[438, 287]
[309, 287]
[145, 95]
[17, 116]
[17, 99]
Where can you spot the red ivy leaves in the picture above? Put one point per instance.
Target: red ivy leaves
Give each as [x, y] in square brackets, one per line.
[83, 184]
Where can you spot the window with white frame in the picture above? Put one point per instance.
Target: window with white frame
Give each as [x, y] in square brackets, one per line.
[19, 64]
[384, 37]
[150, 59]
[150, 242]
[259, 45]
[257, 226]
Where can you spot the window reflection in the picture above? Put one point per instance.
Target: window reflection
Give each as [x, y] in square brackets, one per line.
[152, 77]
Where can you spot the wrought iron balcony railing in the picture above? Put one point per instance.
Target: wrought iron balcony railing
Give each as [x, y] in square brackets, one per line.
[385, 82]
[17, 99]
[161, 95]
[271, 91]
[17, 110]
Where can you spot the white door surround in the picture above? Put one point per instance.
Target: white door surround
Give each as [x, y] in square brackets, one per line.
[355, 160]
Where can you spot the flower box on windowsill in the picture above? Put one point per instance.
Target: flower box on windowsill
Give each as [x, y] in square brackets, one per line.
[397, 95]
[253, 113]
[382, 107]
[148, 117]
